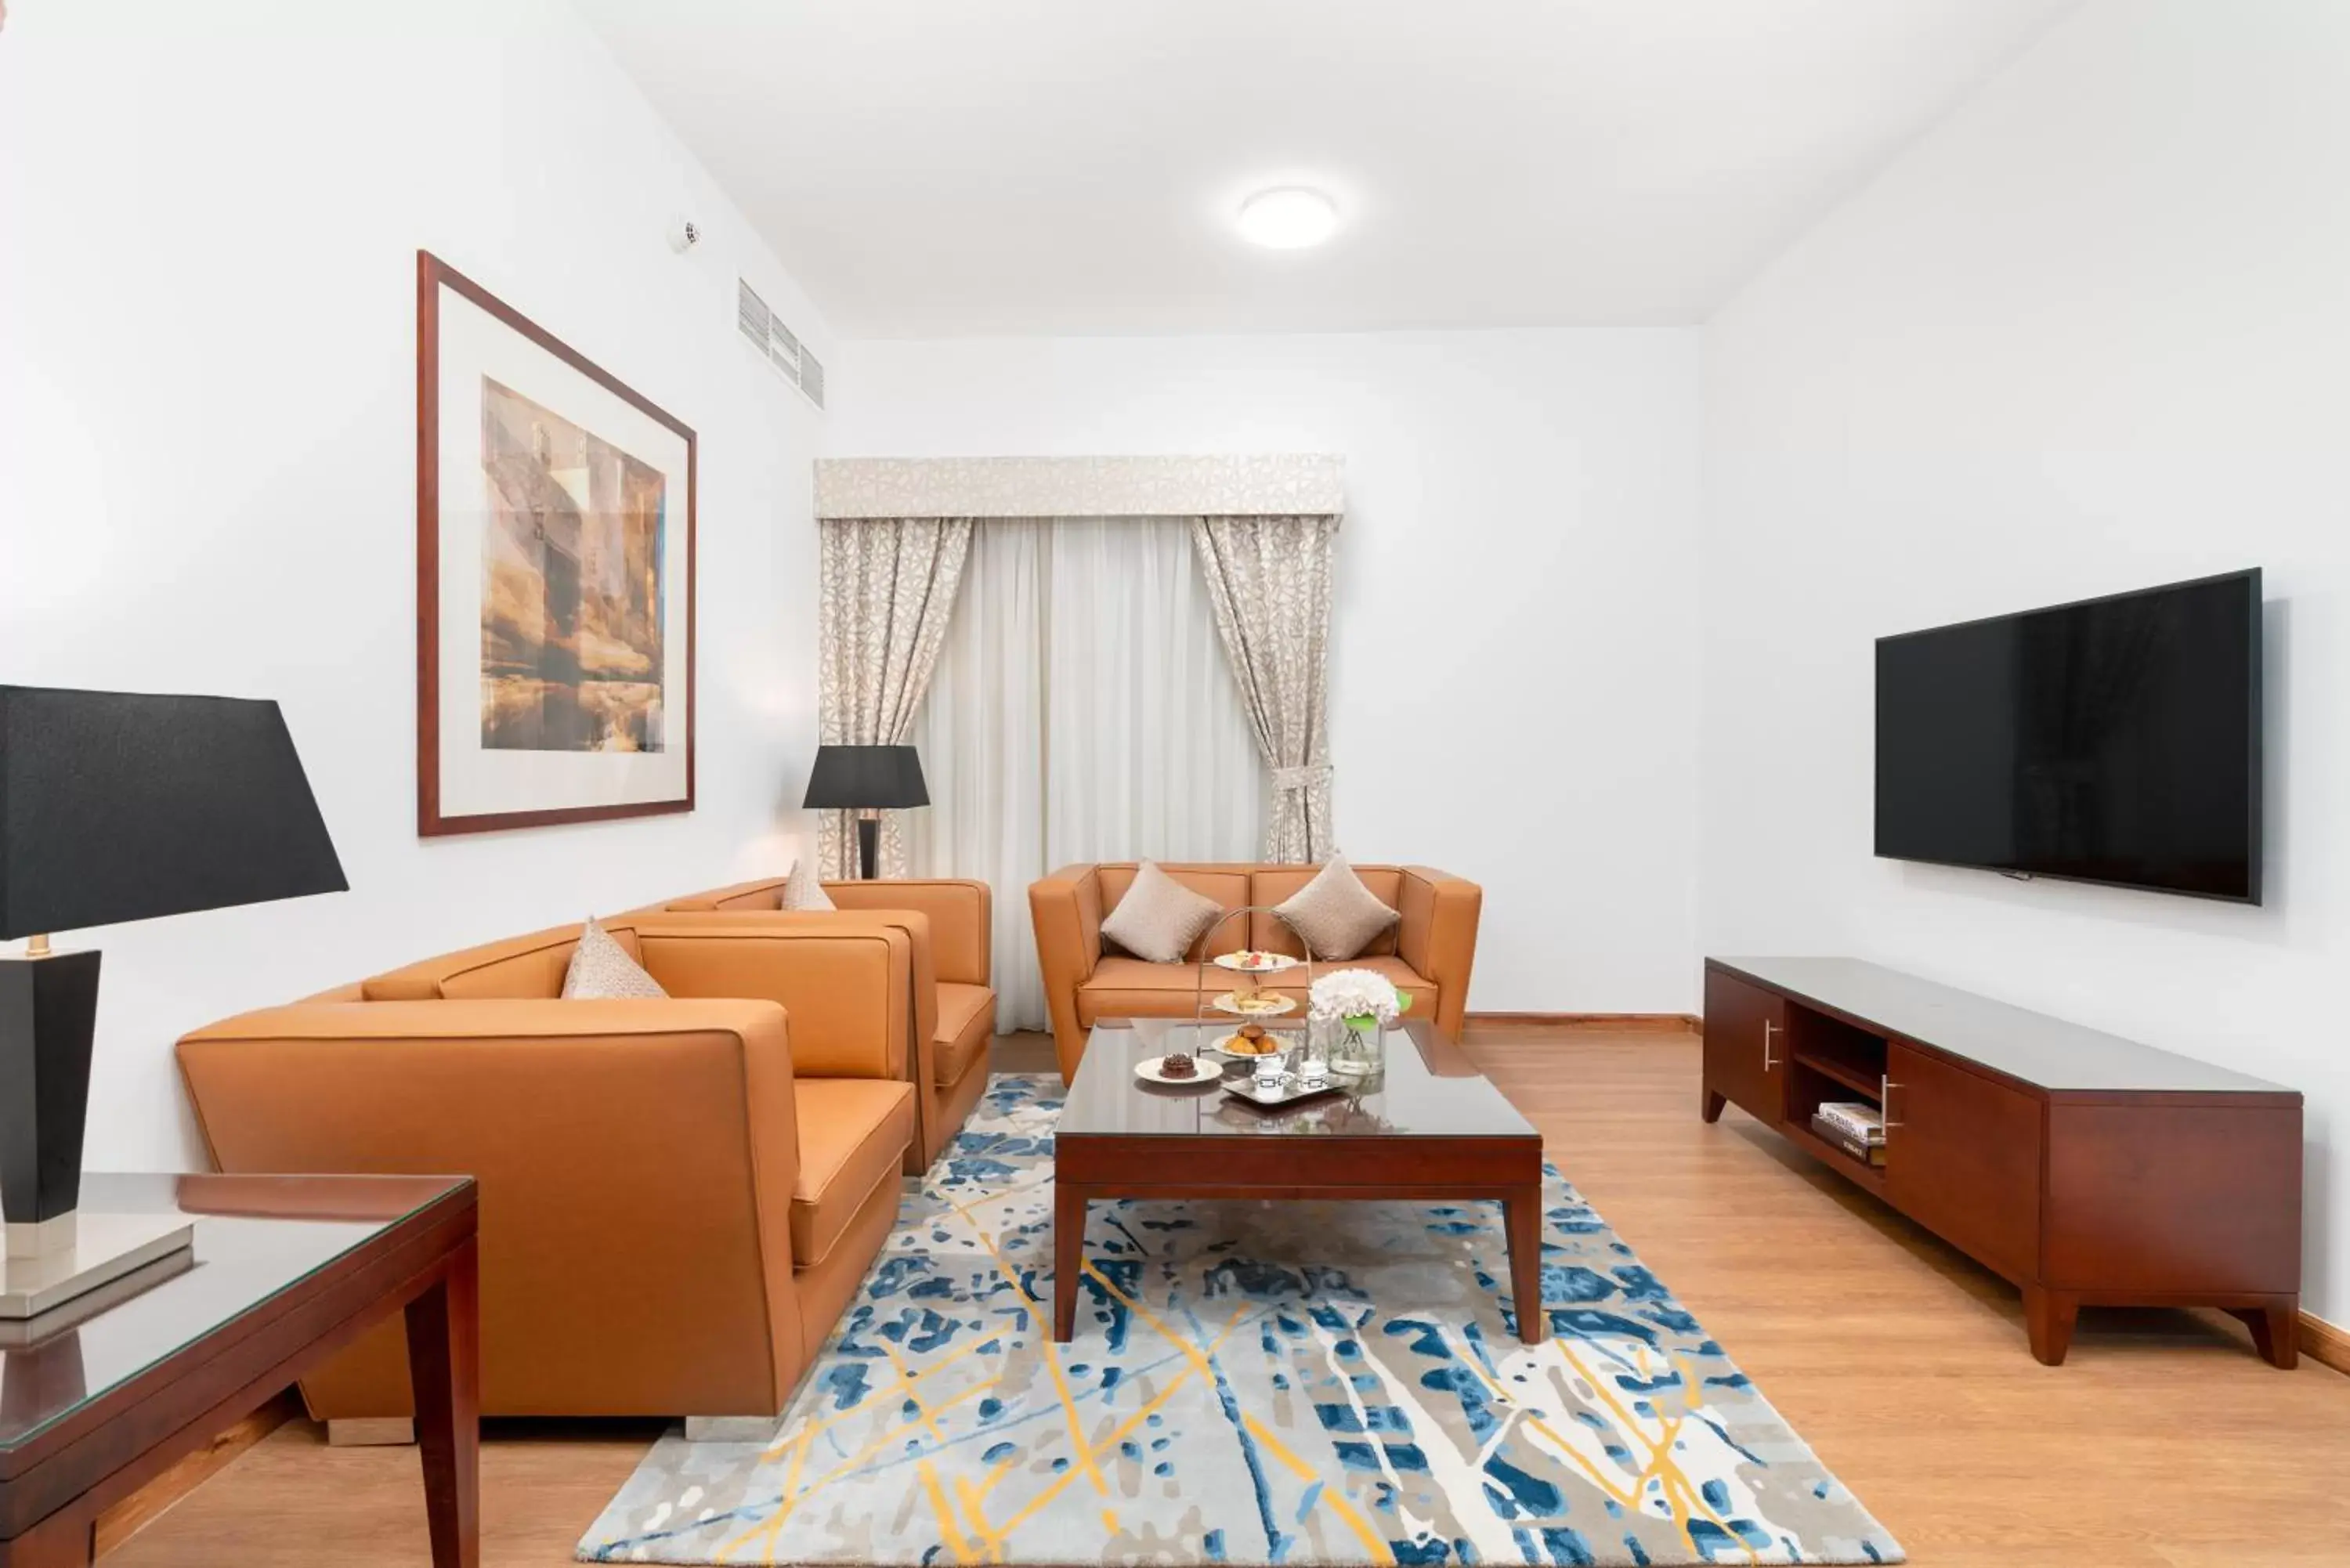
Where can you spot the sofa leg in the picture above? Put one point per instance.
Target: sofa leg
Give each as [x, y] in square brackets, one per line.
[370, 1432]
[730, 1429]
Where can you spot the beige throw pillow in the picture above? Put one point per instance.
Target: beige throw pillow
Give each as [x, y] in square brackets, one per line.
[601, 968]
[1335, 915]
[1160, 919]
[802, 891]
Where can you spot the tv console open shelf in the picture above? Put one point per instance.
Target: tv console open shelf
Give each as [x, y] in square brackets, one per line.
[2084, 1168]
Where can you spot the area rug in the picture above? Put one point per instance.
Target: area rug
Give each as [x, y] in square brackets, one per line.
[1251, 1383]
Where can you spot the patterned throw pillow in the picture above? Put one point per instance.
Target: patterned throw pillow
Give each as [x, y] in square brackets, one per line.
[802, 891]
[601, 968]
[1335, 915]
[1160, 919]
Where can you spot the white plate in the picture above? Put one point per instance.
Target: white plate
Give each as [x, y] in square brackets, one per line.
[1222, 1047]
[1281, 963]
[1148, 1070]
[1260, 1006]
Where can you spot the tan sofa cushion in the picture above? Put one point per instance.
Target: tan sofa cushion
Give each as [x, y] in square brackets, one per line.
[853, 1136]
[966, 1024]
[601, 970]
[1273, 885]
[1158, 919]
[1130, 988]
[802, 891]
[1335, 914]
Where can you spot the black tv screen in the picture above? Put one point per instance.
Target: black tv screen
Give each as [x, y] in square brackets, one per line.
[2113, 741]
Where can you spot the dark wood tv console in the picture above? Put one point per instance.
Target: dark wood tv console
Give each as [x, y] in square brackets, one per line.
[2084, 1168]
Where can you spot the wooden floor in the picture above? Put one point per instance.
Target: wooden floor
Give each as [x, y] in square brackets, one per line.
[2162, 1443]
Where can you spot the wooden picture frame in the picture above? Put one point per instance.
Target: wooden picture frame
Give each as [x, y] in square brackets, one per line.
[567, 721]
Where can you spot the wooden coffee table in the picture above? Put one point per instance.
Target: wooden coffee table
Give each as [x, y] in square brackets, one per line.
[1434, 1129]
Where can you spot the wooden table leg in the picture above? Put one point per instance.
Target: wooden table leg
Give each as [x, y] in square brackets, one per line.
[2048, 1318]
[2276, 1331]
[444, 1369]
[1068, 1256]
[66, 1538]
[1522, 1210]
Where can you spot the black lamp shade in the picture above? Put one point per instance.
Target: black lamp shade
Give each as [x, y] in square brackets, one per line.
[122, 806]
[866, 778]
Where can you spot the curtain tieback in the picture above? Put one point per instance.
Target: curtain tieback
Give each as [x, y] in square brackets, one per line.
[1307, 778]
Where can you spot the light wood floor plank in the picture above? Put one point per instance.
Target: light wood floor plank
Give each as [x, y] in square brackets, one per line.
[2161, 1443]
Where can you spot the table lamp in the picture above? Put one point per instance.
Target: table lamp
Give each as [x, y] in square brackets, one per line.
[867, 779]
[117, 806]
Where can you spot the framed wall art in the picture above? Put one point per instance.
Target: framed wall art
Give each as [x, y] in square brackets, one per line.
[554, 577]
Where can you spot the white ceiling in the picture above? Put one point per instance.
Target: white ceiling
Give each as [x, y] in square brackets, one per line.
[955, 167]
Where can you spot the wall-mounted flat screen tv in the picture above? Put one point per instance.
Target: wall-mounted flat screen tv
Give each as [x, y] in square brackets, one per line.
[2115, 740]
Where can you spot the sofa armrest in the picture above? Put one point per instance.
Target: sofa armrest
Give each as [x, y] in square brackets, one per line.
[1439, 937]
[1068, 909]
[961, 913]
[665, 1126]
[737, 897]
[848, 979]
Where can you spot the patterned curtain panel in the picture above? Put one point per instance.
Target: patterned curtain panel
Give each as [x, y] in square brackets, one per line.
[889, 588]
[1269, 578]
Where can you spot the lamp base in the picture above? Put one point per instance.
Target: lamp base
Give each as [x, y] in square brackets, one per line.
[868, 847]
[51, 1263]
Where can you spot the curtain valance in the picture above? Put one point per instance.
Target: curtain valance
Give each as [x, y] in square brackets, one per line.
[981, 487]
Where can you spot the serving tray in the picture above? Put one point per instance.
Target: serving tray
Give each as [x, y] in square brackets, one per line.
[1288, 1092]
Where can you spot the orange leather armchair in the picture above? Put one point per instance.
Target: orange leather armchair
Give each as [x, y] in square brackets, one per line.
[1428, 954]
[679, 1197]
[950, 923]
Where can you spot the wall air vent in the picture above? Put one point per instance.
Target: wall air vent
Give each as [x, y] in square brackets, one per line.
[776, 343]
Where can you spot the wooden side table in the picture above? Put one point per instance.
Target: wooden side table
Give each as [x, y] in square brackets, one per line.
[285, 1271]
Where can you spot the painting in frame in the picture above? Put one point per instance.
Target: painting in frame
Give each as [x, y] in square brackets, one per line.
[554, 514]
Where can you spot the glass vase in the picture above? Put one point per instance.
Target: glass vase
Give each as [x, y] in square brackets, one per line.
[1357, 1049]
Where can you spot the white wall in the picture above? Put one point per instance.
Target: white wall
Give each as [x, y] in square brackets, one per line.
[207, 455]
[2089, 334]
[1515, 661]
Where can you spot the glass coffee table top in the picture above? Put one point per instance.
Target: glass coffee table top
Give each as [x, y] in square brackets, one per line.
[1428, 1089]
[256, 1236]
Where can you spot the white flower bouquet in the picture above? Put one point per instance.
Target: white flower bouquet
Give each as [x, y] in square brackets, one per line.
[1362, 997]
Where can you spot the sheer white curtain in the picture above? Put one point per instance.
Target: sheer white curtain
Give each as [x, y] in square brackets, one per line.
[1082, 708]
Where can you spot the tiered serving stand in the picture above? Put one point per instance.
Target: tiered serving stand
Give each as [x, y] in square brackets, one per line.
[1247, 999]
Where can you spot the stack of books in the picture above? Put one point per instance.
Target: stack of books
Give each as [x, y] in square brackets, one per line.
[1855, 1127]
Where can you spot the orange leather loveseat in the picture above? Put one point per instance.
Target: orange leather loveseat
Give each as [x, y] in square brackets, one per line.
[678, 1196]
[949, 924]
[1428, 954]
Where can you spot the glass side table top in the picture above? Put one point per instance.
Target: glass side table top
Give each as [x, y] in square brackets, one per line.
[256, 1236]
[1428, 1089]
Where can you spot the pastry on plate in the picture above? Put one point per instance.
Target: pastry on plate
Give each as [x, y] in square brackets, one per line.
[1176, 1064]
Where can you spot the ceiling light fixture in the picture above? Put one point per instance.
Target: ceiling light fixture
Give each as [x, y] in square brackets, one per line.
[1288, 218]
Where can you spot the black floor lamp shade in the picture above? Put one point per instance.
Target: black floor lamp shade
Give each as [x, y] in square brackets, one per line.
[866, 778]
[119, 807]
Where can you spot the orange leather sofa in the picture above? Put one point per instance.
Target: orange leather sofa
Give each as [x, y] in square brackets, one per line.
[949, 924]
[678, 1196]
[1428, 954]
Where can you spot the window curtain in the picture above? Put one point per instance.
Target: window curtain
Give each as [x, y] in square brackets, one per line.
[888, 586]
[1083, 709]
[1269, 579]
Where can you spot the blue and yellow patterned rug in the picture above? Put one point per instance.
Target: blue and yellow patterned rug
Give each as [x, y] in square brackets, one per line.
[1251, 1383]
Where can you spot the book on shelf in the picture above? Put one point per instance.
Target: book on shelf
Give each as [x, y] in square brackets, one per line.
[1857, 1117]
[1868, 1150]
